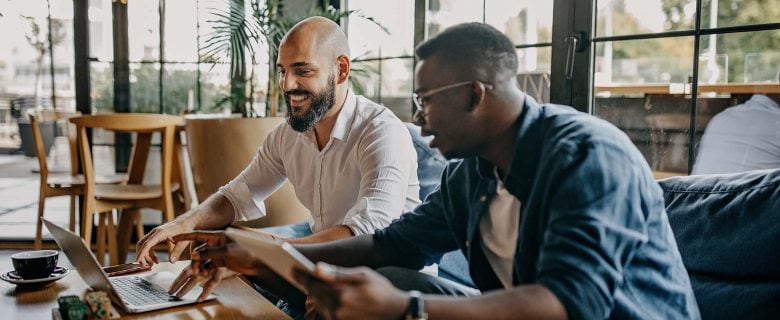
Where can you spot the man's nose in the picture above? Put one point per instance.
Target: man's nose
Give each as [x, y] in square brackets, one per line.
[288, 82]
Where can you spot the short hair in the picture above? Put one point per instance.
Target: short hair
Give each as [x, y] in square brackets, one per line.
[475, 48]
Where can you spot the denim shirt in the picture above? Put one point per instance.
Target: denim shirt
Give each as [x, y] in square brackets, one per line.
[592, 229]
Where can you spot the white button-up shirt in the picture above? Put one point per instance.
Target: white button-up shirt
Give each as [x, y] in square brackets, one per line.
[741, 138]
[364, 177]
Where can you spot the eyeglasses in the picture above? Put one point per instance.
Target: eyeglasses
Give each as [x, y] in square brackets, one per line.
[419, 99]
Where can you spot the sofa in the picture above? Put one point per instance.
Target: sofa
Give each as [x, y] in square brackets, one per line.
[430, 164]
[727, 228]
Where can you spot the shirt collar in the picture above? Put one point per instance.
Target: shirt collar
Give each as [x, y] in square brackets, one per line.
[524, 162]
[344, 121]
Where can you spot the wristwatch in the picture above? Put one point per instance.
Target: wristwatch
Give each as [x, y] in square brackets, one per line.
[416, 306]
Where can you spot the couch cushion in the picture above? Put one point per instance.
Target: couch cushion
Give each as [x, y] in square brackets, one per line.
[728, 231]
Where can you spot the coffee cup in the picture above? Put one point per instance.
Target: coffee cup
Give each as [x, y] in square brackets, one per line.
[35, 264]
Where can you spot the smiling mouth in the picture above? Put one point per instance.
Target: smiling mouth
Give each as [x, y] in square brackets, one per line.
[297, 99]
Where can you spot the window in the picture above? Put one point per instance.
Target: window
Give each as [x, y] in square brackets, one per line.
[650, 58]
[383, 59]
[388, 58]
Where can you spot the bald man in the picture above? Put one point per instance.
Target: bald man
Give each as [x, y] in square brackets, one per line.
[350, 160]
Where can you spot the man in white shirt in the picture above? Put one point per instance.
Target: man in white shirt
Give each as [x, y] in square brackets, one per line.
[350, 160]
[741, 138]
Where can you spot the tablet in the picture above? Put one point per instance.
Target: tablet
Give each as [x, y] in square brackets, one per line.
[278, 255]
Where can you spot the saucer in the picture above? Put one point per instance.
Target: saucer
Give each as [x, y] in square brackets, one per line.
[13, 277]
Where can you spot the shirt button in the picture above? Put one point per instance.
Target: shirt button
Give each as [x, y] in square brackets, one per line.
[483, 198]
[467, 243]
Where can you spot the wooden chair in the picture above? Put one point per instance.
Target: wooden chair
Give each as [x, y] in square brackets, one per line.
[134, 195]
[59, 184]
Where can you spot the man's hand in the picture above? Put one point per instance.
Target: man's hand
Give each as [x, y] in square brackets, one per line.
[145, 247]
[218, 252]
[355, 293]
[188, 279]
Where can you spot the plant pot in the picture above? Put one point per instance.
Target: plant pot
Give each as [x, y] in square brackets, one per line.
[28, 142]
[220, 148]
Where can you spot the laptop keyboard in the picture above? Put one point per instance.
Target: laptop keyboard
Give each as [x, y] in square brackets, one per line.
[139, 292]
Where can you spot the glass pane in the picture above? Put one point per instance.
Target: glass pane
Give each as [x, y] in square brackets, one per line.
[524, 22]
[397, 75]
[364, 79]
[62, 37]
[102, 86]
[623, 17]
[367, 40]
[740, 57]
[446, 13]
[101, 30]
[181, 34]
[180, 85]
[143, 30]
[666, 61]
[145, 87]
[24, 58]
[741, 115]
[640, 87]
[533, 72]
[215, 87]
[728, 13]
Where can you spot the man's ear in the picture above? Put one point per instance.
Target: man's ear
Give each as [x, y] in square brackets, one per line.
[342, 68]
[478, 92]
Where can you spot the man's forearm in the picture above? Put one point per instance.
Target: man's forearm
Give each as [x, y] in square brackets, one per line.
[350, 252]
[330, 234]
[214, 213]
[530, 301]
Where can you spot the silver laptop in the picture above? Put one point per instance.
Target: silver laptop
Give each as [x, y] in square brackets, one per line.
[134, 293]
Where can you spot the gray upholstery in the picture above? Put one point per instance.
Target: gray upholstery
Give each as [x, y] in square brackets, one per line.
[728, 231]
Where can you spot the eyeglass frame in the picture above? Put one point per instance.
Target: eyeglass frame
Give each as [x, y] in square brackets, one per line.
[420, 104]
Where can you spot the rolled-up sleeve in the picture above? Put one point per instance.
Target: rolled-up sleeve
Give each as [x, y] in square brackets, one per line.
[421, 236]
[388, 163]
[594, 229]
[264, 175]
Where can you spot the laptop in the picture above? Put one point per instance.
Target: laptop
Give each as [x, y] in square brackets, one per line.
[133, 293]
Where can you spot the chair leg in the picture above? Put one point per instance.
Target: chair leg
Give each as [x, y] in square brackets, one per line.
[38, 228]
[139, 227]
[101, 238]
[72, 225]
[113, 256]
[86, 223]
[168, 215]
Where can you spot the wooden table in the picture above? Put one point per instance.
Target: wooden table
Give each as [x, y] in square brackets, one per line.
[236, 299]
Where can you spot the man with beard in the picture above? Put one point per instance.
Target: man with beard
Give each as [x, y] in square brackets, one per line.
[350, 160]
[556, 211]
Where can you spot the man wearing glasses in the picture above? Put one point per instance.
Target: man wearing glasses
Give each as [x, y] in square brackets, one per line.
[556, 211]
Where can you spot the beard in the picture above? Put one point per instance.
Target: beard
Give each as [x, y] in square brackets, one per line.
[321, 103]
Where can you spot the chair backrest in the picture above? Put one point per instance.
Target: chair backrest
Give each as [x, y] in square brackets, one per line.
[535, 84]
[215, 162]
[53, 116]
[132, 123]
[727, 228]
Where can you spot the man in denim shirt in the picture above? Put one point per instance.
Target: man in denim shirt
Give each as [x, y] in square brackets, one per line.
[556, 211]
